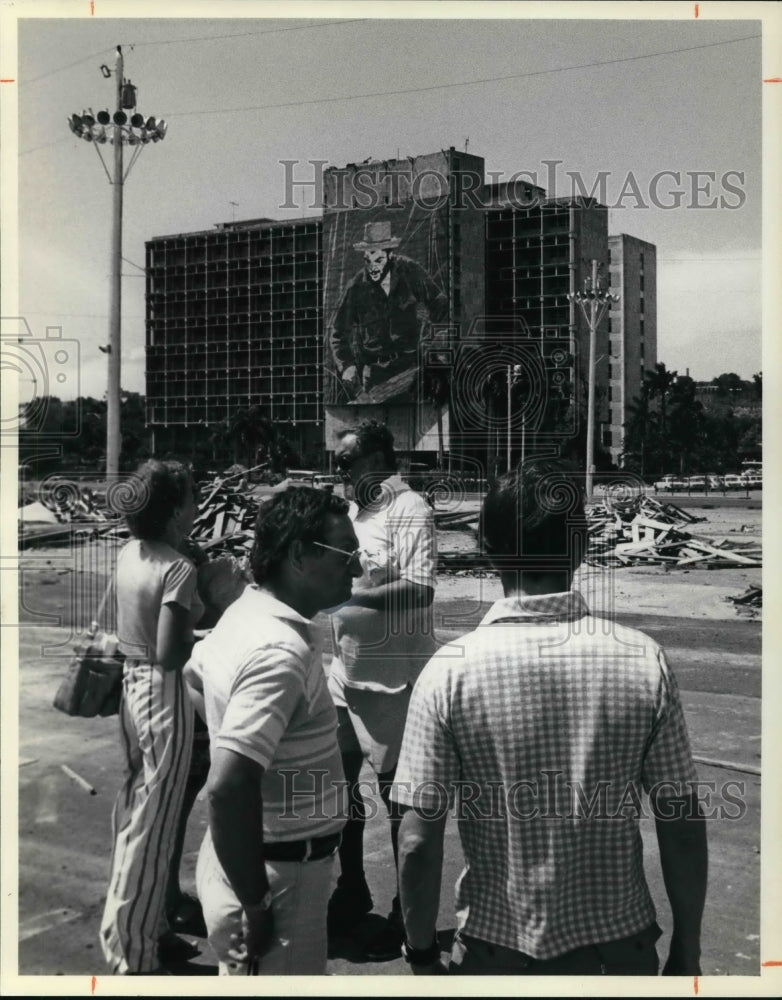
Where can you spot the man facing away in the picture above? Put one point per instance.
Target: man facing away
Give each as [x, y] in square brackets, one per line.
[383, 637]
[275, 786]
[549, 726]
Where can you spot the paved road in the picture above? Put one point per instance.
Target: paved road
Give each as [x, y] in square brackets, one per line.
[65, 832]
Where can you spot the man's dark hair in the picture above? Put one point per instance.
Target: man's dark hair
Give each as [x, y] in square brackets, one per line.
[373, 436]
[533, 518]
[297, 514]
[152, 495]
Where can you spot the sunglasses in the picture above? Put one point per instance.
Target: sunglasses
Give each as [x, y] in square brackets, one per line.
[349, 556]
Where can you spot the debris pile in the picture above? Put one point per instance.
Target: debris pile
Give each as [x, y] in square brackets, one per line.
[63, 512]
[225, 520]
[750, 600]
[643, 531]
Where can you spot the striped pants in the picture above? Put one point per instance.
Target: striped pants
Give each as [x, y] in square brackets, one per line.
[156, 728]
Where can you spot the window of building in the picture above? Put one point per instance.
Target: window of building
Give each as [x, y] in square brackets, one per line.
[641, 327]
[641, 347]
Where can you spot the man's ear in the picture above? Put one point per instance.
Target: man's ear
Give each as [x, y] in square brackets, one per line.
[296, 554]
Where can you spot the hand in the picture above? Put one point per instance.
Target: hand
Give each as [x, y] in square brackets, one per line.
[350, 377]
[437, 968]
[255, 939]
[683, 959]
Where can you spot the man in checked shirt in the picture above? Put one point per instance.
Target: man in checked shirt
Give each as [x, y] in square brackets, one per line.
[544, 727]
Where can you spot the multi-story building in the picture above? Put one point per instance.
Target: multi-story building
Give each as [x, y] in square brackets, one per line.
[536, 255]
[234, 319]
[632, 331]
[250, 313]
[426, 212]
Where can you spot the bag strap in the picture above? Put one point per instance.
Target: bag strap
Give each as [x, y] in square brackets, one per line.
[104, 600]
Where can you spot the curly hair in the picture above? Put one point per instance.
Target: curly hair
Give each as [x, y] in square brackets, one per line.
[159, 488]
[373, 436]
[533, 518]
[297, 514]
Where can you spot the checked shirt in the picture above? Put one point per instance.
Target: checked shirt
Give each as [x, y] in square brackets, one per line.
[543, 727]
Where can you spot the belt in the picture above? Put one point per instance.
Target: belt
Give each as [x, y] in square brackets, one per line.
[302, 850]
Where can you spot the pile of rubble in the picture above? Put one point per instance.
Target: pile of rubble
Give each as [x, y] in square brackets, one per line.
[226, 518]
[750, 601]
[643, 531]
[61, 513]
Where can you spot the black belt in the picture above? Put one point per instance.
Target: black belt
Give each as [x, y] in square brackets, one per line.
[302, 850]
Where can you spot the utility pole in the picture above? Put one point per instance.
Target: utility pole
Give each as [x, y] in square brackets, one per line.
[509, 375]
[114, 387]
[119, 131]
[594, 303]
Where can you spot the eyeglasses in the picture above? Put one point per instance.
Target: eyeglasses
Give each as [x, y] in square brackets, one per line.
[349, 556]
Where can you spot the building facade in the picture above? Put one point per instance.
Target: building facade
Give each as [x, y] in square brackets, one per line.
[408, 301]
[234, 319]
[632, 332]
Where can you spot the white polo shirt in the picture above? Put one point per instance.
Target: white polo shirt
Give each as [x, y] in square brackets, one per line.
[396, 536]
[261, 674]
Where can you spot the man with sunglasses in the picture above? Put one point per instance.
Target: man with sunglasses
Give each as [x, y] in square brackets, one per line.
[383, 637]
[275, 787]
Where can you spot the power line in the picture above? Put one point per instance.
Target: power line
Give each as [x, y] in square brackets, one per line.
[245, 34]
[178, 41]
[463, 83]
[61, 69]
[706, 260]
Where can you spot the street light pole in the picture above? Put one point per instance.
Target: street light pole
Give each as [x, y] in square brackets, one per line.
[593, 302]
[590, 442]
[113, 388]
[508, 375]
[119, 129]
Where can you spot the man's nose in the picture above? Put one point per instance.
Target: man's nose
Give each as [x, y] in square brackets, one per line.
[356, 569]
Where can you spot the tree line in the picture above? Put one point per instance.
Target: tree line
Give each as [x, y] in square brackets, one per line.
[676, 426]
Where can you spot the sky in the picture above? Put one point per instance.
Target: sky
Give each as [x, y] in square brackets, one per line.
[653, 105]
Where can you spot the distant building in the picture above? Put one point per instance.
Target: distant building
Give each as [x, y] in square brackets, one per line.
[234, 319]
[632, 332]
[324, 321]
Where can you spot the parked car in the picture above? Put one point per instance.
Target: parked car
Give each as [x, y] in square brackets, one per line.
[670, 483]
[733, 482]
[714, 480]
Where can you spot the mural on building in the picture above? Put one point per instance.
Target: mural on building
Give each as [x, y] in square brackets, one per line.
[385, 293]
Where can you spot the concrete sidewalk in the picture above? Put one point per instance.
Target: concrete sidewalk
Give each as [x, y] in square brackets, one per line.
[65, 836]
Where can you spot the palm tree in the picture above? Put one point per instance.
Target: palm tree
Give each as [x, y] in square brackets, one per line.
[251, 431]
[658, 383]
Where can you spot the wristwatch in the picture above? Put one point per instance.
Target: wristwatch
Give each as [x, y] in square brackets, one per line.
[421, 956]
[263, 904]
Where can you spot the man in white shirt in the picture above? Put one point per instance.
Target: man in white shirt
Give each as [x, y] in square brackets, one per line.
[275, 788]
[383, 638]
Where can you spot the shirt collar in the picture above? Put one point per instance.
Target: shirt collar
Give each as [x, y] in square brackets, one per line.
[567, 606]
[265, 602]
[391, 486]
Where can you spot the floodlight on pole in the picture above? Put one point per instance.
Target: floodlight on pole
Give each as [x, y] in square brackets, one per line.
[594, 302]
[120, 130]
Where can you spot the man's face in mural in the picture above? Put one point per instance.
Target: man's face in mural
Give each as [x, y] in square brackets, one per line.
[377, 263]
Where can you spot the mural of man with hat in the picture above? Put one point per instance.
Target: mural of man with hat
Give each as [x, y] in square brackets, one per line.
[386, 308]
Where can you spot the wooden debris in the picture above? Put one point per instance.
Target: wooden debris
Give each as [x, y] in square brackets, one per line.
[643, 531]
[752, 597]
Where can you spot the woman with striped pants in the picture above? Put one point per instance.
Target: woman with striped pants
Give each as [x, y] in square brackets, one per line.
[157, 606]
